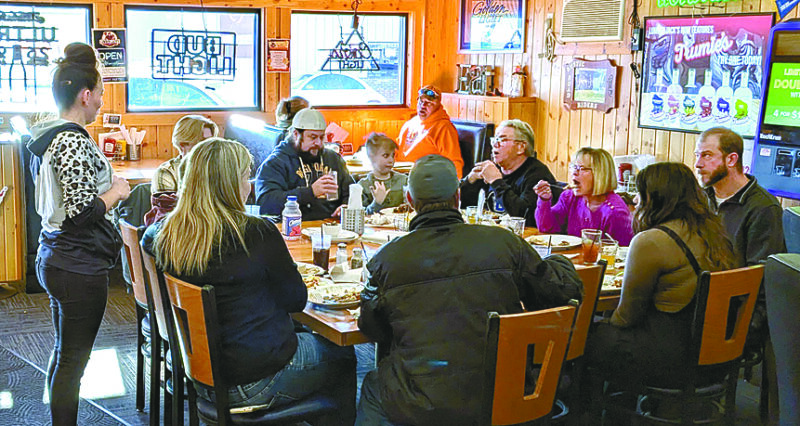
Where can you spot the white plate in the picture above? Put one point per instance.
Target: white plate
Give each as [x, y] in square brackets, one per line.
[382, 236]
[344, 235]
[309, 269]
[608, 283]
[391, 211]
[324, 295]
[558, 242]
[312, 281]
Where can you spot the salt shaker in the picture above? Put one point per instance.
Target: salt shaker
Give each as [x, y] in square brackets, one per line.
[357, 261]
[341, 254]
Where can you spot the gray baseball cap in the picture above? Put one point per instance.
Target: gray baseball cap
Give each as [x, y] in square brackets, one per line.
[309, 119]
[433, 177]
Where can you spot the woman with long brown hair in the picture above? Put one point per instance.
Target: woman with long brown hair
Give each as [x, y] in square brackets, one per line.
[678, 237]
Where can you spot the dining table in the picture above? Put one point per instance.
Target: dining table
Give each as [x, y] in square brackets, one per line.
[340, 326]
[136, 172]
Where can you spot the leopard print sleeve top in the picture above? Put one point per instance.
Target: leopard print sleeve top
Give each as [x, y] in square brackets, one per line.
[81, 169]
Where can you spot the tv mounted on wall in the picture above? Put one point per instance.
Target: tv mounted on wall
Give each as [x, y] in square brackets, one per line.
[703, 72]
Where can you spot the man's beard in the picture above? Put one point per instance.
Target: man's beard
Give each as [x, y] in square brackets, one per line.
[307, 156]
[717, 175]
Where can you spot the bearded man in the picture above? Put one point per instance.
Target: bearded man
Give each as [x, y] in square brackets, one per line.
[303, 167]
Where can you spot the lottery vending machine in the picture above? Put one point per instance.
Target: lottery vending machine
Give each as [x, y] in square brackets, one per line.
[776, 155]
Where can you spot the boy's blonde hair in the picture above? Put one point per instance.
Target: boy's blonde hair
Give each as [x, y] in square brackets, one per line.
[379, 140]
[189, 129]
[602, 165]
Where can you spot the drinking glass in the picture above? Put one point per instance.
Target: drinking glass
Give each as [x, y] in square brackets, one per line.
[591, 244]
[608, 251]
[321, 249]
[472, 215]
[332, 196]
[517, 224]
[331, 228]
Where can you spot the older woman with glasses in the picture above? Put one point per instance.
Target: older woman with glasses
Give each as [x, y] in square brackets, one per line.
[591, 202]
[511, 173]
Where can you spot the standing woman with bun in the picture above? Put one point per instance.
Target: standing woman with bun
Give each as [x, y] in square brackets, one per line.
[75, 190]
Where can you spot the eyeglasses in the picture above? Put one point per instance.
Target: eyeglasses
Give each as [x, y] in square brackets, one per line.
[579, 168]
[496, 141]
[429, 93]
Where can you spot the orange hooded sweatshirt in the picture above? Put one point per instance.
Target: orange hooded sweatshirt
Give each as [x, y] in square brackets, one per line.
[436, 135]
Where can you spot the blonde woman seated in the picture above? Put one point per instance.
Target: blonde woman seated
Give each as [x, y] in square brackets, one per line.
[209, 240]
[188, 131]
[591, 203]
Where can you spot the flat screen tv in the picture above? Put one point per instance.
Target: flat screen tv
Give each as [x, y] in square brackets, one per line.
[703, 72]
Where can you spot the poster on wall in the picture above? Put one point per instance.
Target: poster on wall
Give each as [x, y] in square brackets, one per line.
[705, 72]
[492, 26]
[110, 46]
[277, 55]
[785, 6]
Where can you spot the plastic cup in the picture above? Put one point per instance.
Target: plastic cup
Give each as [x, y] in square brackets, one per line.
[516, 224]
[591, 239]
[321, 249]
[608, 251]
[331, 229]
[472, 215]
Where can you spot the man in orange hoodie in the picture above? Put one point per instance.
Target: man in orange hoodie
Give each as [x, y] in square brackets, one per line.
[430, 132]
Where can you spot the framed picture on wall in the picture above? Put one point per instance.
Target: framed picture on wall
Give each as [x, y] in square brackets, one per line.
[492, 26]
[590, 85]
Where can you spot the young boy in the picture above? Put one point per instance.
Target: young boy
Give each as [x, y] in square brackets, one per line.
[382, 187]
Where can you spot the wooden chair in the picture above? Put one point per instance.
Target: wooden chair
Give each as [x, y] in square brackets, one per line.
[725, 302]
[506, 364]
[194, 311]
[130, 240]
[592, 278]
[173, 406]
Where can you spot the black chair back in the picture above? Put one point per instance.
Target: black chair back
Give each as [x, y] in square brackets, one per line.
[257, 136]
[473, 138]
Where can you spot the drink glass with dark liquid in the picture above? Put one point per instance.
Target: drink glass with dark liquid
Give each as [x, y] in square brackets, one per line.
[321, 249]
[591, 244]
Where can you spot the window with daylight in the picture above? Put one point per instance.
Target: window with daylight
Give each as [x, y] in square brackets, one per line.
[193, 59]
[32, 37]
[333, 65]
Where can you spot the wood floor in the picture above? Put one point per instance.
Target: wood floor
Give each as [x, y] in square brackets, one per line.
[26, 332]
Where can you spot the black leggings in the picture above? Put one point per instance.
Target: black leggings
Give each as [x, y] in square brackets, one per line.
[78, 303]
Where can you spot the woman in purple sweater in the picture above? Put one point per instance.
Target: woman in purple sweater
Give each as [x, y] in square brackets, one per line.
[591, 203]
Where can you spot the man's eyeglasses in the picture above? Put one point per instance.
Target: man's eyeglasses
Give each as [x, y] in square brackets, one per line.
[577, 168]
[498, 141]
[429, 93]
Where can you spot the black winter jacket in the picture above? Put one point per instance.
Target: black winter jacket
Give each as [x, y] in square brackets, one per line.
[428, 296]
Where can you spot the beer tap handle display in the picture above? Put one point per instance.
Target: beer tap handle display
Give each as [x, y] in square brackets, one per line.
[776, 157]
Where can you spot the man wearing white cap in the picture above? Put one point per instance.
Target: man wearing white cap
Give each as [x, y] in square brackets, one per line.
[427, 299]
[301, 166]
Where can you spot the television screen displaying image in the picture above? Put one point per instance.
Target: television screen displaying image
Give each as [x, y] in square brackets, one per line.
[782, 106]
[703, 72]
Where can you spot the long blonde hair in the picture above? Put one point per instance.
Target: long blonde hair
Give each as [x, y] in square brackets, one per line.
[209, 210]
[189, 129]
[602, 164]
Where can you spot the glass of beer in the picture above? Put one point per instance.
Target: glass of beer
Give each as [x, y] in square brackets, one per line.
[608, 250]
[591, 239]
[321, 249]
[472, 215]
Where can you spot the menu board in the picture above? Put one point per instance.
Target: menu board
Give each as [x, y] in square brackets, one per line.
[705, 72]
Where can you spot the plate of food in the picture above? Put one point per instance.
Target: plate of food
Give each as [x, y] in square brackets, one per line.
[379, 220]
[401, 209]
[343, 236]
[336, 296]
[314, 281]
[612, 283]
[557, 241]
[309, 269]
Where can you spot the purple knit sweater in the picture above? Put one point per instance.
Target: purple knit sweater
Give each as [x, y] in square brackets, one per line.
[612, 217]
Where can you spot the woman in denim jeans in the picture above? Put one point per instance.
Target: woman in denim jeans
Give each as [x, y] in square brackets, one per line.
[209, 240]
[75, 190]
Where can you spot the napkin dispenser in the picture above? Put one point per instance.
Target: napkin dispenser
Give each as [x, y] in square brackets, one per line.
[353, 214]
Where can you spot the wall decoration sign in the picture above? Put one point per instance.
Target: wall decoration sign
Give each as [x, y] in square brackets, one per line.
[351, 55]
[110, 46]
[681, 3]
[492, 26]
[277, 55]
[475, 79]
[785, 6]
[193, 55]
[704, 72]
[590, 85]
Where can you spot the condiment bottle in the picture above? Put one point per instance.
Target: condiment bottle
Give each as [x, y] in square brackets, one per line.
[357, 261]
[341, 254]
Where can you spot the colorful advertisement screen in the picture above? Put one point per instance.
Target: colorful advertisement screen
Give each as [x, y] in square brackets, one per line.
[783, 97]
[705, 72]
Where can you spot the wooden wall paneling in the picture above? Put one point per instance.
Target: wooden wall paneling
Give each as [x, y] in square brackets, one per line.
[554, 111]
[11, 232]
[559, 165]
[471, 109]
[623, 112]
[272, 90]
[285, 31]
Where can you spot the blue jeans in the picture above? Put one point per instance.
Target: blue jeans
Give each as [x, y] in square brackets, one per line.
[77, 304]
[370, 410]
[318, 367]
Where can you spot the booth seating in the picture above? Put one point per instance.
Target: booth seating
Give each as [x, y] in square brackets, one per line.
[257, 136]
[33, 222]
[791, 229]
[782, 287]
[474, 140]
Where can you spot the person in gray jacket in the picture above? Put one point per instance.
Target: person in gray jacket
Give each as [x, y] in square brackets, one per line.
[427, 300]
[75, 191]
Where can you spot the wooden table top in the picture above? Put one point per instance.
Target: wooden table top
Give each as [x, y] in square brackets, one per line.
[340, 327]
[136, 172]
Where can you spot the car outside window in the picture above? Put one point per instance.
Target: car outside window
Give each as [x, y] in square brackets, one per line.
[329, 74]
[193, 59]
